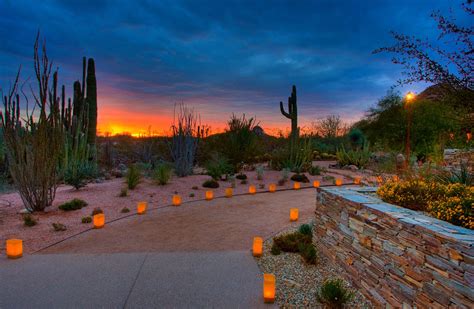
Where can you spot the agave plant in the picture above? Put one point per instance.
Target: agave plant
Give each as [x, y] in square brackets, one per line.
[462, 175]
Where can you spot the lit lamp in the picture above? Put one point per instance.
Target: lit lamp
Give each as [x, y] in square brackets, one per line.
[141, 208]
[268, 288]
[14, 248]
[357, 180]
[338, 182]
[252, 189]
[229, 192]
[209, 195]
[257, 247]
[316, 183]
[99, 221]
[296, 185]
[294, 214]
[272, 187]
[176, 200]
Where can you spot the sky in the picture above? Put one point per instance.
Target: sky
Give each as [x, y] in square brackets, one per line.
[218, 57]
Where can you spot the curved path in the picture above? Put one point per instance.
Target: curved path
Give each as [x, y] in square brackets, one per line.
[195, 255]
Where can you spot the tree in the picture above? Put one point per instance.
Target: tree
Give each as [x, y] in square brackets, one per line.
[330, 127]
[437, 63]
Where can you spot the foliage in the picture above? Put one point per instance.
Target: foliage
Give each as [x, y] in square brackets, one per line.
[34, 143]
[241, 176]
[306, 229]
[290, 242]
[333, 293]
[125, 210]
[123, 192]
[29, 220]
[133, 177]
[59, 227]
[73, 204]
[449, 202]
[315, 170]
[87, 219]
[297, 158]
[77, 173]
[300, 178]
[162, 174]
[218, 166]
[463, 176]
[359, 158]
[275, 250]
[97, 211]
[437, 64]
[308, 252]
[191, 194]
[357, 138]
[186, 132]
[455, 206]
[210, 183]
[330, 127]
[259, 171]
[239, 141]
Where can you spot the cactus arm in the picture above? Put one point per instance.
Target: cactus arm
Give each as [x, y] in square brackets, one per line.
[287, 115]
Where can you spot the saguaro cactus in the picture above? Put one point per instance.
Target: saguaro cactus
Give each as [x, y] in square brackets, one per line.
[91, 102]
[292, 113]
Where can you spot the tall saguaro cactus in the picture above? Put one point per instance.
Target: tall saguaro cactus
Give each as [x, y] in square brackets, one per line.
[91, 102]
[292, 114]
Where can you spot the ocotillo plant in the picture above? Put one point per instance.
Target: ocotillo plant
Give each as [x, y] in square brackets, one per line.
[34, 144]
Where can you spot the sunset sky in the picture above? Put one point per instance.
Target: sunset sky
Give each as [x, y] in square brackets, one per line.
[220, 57]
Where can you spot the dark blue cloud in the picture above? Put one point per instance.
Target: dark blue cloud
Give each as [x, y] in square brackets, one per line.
[240, 56]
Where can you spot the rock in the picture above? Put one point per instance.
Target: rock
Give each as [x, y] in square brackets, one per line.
[23, 211]
[400, 161]
[353, 168]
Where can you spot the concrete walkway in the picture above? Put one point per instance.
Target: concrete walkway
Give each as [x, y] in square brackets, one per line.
[195, 255]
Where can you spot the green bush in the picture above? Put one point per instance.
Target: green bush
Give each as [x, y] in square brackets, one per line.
[77, 174]
[359, 158]
[241, 176]
[123, 192]
[300, 178]
[218, 166]
[96, 211]
[211, 183]
[275, 250]
[74, 204]
[290, 242]
[462, 176]
[59, 227]
[133, 177]
[86, 219]
[29, 220]
[333, 293]
[125, 210]
[306, 229]
[308, 252]
[315, 170]
[162, 174]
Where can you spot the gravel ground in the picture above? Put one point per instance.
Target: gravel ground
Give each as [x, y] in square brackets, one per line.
[298, 282]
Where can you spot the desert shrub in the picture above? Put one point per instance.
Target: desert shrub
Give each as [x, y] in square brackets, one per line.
[306, 229]
[333, 293]
[218, 166]
[162, 174]
[123, 192]
[275, 250]
[29, 220]
[308, 252]
[455, 205]
[59, 227]
[300, 178]
[241, 176]
[125, 210]
[297, 158]
[191, 195]
[328, 178]
[96, 211]
[87, 219]
[462, 175]
[73, 204]
[210, 183]
[260, 170]
[359, 157]
[76, 174]
[315, 170]
[412, 193]
[290, 242]
[133, 177]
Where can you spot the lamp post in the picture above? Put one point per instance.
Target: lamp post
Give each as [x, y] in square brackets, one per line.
[409, 97]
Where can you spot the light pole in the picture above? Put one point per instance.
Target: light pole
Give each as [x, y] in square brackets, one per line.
[409, 97]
